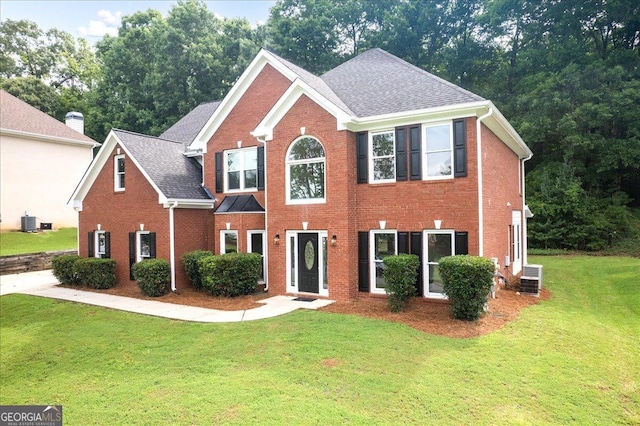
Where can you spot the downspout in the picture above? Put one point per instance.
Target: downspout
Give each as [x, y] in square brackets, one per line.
[480, 197]
[525, 240]
[172, 247]
[263, 141]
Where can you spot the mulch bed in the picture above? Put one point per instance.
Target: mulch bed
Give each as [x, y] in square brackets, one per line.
[430, 317]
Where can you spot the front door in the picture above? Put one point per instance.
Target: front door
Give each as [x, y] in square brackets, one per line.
[308, 268]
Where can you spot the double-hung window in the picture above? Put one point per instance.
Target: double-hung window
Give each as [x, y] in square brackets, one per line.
[438, 151]
[438, 244]
[228, 242]
[241, 168]
[305, 171]
[382, 166]
[118, 173]
[383, 244]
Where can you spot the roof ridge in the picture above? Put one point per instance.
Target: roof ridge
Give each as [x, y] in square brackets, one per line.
[146, 136]
[414, 67]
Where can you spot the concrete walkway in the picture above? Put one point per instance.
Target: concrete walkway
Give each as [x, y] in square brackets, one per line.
[44, 284]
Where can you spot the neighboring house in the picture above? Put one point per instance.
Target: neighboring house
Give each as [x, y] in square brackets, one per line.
[42, 161]
[324, 176]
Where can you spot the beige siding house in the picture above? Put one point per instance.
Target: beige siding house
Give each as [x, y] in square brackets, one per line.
[41, 162]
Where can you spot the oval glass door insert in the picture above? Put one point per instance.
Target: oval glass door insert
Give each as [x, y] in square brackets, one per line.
[309, 255]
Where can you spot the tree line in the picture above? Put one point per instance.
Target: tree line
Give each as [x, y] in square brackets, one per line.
[565, 74]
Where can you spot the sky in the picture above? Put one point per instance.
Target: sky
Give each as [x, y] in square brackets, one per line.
[93, 19]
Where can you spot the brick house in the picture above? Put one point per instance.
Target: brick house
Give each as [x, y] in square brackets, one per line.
[324, 176]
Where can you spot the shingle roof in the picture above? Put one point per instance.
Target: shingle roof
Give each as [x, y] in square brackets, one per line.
[174, 174]
[376, 82]
[19, 116]
[316, 83]
[188, 127]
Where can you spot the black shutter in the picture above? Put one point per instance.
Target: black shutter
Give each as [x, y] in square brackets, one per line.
[460, 148]
[219, 173]
[403, 242]
[91, 246]
[462, 243]
[414, 153]
[362, 161]
[261, 168]
[132, 253]
[152, 245]
[107, 245]
[363, 261]
[401, 154]
[416, 248]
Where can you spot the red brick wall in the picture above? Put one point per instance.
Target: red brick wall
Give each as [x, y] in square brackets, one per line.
[501, 194]
[122, 212]
[241, 222]
[193, 231]
[261, 95]
[414, 205]
[336, 216]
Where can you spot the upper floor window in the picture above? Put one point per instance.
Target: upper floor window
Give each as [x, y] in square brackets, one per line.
[306, 171]
[241, 169]
[118, 173]
[382, 166]
[438, 151]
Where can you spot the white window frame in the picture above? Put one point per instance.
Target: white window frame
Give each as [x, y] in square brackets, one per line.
[250, 233]
[372, 260]
[425, 153]
[426, 263]
[117, 173]
[292, 266]
[372, 157]
[516, 224]
[223, 233]
[242, 169]
[96, 244]
[289, 163]
[139, 256]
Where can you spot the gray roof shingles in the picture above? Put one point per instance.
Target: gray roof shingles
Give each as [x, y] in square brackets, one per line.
[376, 82]
[188, 127]
[163, 160]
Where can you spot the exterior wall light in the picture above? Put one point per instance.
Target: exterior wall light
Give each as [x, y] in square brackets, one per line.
[334, 241]
[276, 240]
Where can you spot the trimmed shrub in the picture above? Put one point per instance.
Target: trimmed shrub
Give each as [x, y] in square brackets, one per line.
[467, 282]
[153, 276]
[231, 274]
[400, 274]
[63, 268]
[190, 262]
[95, 273]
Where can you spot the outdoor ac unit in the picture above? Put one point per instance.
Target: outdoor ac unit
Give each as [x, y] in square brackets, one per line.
[28, 223]
[533, 272]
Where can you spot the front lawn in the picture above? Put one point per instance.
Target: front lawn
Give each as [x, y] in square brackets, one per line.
[573, 359]
[12, 243]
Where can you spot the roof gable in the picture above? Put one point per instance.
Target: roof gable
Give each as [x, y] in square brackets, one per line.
[378, 83]
[21, 119]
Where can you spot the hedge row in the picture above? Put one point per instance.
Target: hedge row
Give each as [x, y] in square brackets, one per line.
[153, 276]
[91, 272]
[230, 275]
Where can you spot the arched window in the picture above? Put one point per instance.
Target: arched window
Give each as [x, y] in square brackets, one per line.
[306, 171]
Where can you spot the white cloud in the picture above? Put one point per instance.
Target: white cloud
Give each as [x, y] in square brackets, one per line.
[108, 24]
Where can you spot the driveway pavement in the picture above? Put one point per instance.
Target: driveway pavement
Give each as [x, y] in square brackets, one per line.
[44, 284]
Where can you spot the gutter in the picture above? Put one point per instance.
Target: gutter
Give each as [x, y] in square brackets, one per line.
[480, 196]
[172, 246]
[525, 240]
[263, 141]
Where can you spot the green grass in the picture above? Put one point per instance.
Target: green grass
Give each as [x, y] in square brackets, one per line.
[574, 359]
[12, 243]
